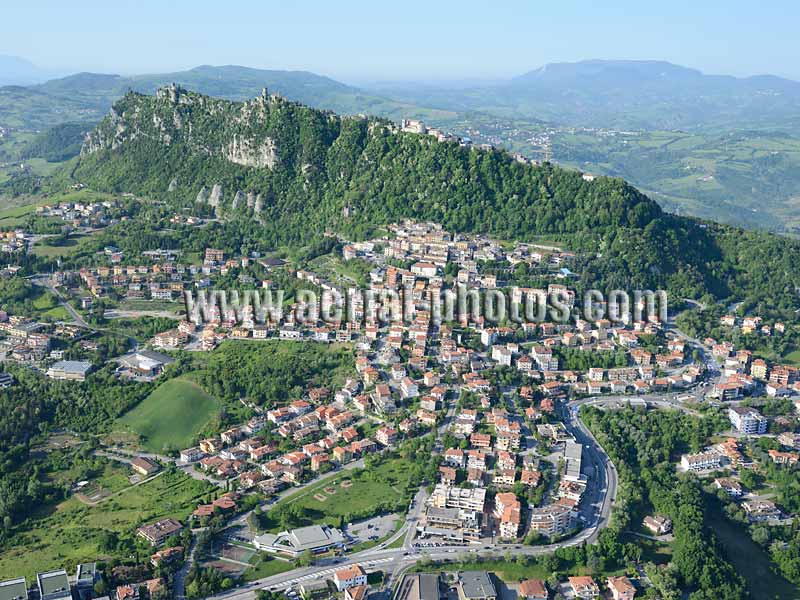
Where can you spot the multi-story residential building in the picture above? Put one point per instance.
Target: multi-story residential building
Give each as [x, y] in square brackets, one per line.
[445, 496]
[584, 587]
[455, 458]
[747, 420]
[732, 487]
[621, 588]
[761, 510]
[53, 585]
[701, 462]
[386, 436]
[552, 520]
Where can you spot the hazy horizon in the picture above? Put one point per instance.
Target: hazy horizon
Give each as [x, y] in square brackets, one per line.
[360, 42]
[465, 81]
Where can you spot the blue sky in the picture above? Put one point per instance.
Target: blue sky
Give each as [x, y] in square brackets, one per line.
[355, 40]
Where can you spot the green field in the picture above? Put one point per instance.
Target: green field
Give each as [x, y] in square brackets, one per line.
[793, 358]
[59, 536]
[47, 305]
[366, 492]
[69, 246]
[12, 215]
[151, 305]
[266, 566]
[746, 178]
[172, 415]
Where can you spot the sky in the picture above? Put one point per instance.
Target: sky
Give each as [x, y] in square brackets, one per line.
[357, 41]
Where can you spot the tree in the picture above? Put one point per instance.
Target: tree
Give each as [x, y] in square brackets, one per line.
[550, 562]
[761, 535]
[305, 559]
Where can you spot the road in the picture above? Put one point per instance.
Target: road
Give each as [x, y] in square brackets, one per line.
[135, 314]
[391, 561]
[601, 489]
[44, 281]
[178, 586]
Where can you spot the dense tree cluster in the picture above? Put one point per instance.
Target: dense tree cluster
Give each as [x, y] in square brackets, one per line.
[272, 372]
[35, 405]
[642, 444]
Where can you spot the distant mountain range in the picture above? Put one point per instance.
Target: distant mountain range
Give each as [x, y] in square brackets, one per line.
[88, 96]
[623, 94]
[20, 71]
[648, 95]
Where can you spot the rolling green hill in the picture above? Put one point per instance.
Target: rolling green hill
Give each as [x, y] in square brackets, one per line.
[88, 96]
[280, 172]
[710, 146]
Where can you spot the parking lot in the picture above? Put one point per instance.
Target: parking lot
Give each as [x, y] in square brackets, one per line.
[373, 529]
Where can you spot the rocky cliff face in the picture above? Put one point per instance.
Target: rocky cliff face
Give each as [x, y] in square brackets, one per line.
[251, 153]
[168, 117]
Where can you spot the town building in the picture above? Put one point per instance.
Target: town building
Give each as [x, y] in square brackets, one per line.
[157, 533]
[348, 577]
[53, 585]
[621, 588]
[701, 462]
[418, 586]
[475, 585]
[584, 587]
[533, 589]
[14, 589]
[552, 520]
[70, 370]
[314, 538]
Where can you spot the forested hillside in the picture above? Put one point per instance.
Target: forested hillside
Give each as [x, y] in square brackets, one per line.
[286, 173]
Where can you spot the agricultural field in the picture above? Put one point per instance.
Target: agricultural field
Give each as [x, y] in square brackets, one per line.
[13, 214]
[342, 273]
[72, 531]
[151, 305]
[747, 178]
[172, 415]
